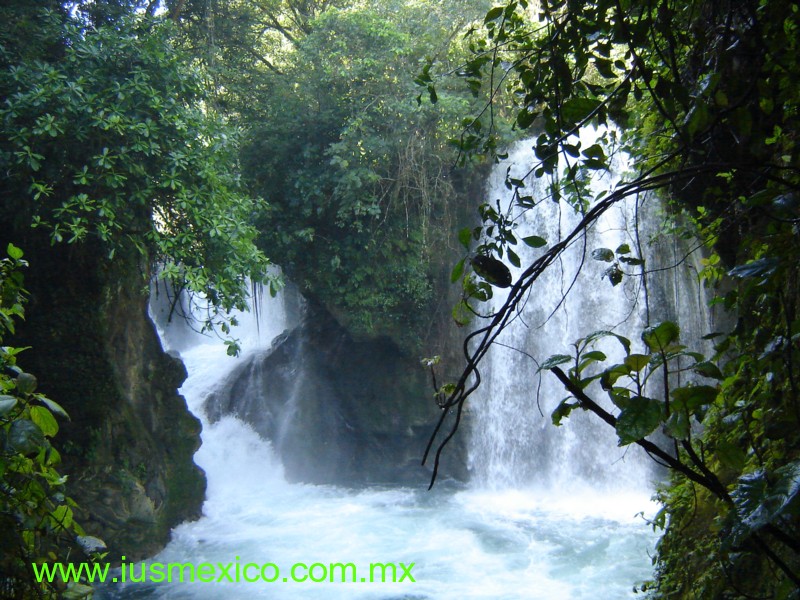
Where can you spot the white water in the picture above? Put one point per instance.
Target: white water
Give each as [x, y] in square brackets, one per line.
[517, 443]
[539, 520]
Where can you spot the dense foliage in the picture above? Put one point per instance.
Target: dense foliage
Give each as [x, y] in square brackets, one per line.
[36, 516]
[705, 96]
[110, 154]
[362, 197]
[356, 174]
[105, 139]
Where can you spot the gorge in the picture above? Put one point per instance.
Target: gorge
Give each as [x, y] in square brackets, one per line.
[311, 446]
[648, 305]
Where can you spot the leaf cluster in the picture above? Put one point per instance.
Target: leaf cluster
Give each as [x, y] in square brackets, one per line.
[700, 95]
[743, 473]
[358, 176]
[36, 516]
[109, 143]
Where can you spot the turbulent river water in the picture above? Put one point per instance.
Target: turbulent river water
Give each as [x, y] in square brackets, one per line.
[550, 513]
[467, 542]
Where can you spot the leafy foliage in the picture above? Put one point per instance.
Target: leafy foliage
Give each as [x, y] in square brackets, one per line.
[359, 176]
[238, 41]
[35, 515]
[758, 505]
[107, 140]
[701, 94]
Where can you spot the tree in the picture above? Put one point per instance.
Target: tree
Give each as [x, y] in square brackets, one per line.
[239, 44]
[702, 93]
[105, 138]
[358, 177]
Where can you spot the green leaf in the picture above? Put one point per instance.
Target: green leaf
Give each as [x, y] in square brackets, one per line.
[77, 591]
[614, 274]
[232, 347]
[26, 383]
[677, 426]
[554, 361]
[513, 258]
[759, 502]
[526, 118]
[432, 94]
[563, 409]
[637, 362]
[7, 403]
[588, 359]
[13, 252]
[55, 407]
[492, 270]
[708, 369]
[623, 249]
[576, 109]
[603, 254]
[45, 420]
[604, 67]
[465, 237]
[461, 313]
[620, 396]
[25, 437]
[659, 337]
[534, 241]
[62, 516]
[692, 397]
[638, 420]
[730, 455]
[53, 457]
[595, 152]
[494, 14]
[458, 271]
[601, 333]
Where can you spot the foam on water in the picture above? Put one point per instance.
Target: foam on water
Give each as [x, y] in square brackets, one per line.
[539, 522]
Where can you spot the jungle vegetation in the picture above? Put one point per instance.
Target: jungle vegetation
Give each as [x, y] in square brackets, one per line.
[346, 141]
[362, 194]
[703, 94]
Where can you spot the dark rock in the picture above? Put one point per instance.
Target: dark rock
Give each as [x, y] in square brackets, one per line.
[129, 446]
[337, 410]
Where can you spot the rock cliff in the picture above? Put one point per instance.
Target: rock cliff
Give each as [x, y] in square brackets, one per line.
[337, 409]
[128, 448]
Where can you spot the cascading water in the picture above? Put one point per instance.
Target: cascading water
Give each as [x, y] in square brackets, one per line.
[515, 443]
[550, 513]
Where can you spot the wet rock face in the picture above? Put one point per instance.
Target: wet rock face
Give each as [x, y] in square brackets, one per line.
[128, 449]
[337, 410]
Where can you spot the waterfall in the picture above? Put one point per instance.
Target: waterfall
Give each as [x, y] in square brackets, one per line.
[499, 535]
[179, 318]
[514, 444]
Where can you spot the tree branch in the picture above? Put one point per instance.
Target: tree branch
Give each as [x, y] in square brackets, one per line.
[712, 484]
[176, 11]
